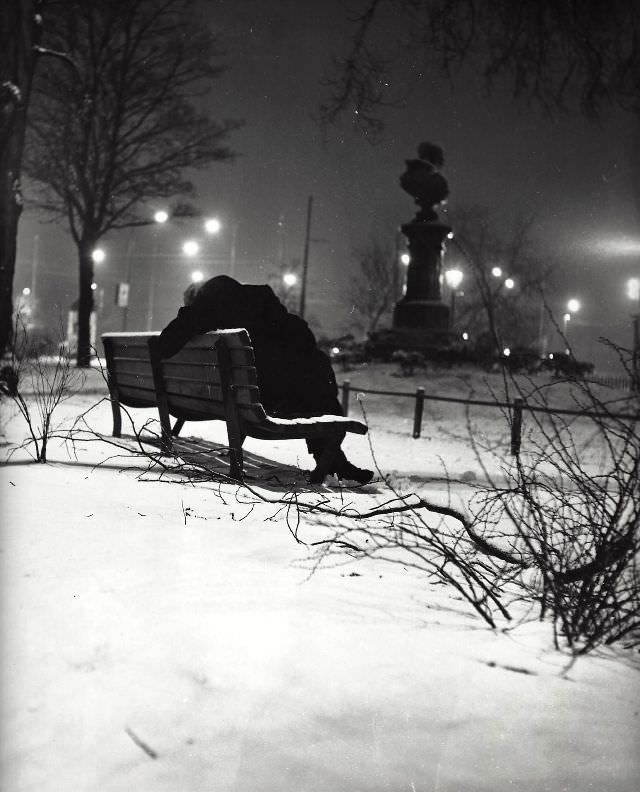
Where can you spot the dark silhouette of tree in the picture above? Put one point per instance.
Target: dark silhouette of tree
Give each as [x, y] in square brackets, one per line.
[550, 51]
[122, 126]
[490, 309]
[19, 36]
[373, 287]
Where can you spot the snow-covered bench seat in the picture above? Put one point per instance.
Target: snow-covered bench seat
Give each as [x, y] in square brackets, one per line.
[213, 377]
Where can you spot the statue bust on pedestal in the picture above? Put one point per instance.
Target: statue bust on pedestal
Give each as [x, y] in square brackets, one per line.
[421, 309]
[424, 182]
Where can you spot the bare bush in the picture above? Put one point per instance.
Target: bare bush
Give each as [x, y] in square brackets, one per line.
[569, 513]
[37, 376]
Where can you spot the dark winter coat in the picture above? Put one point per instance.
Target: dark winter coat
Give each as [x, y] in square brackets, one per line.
[295, 377]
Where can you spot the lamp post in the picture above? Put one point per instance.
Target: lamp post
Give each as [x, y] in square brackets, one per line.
[573, 306]
[633, 292]
[159, 218]
[453, 278]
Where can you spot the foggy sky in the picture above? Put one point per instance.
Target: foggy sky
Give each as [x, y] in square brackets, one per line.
[574, 177]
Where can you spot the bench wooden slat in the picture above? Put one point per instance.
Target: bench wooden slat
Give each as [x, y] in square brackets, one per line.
[126, 378]
[202, 390]
[132, 365]
[193, 407]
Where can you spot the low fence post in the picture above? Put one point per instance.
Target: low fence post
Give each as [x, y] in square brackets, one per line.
[417, 418]
[516, 427]
[345, 396]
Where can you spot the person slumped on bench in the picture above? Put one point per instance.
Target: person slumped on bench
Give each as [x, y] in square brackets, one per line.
[295, 377]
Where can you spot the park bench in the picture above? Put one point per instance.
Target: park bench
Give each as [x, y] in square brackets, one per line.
[213, 377]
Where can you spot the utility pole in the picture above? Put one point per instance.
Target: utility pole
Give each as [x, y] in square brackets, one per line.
[305, 260]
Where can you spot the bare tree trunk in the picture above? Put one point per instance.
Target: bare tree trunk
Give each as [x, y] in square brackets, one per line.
[19, 33]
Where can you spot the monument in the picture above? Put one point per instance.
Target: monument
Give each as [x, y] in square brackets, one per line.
[420, 318]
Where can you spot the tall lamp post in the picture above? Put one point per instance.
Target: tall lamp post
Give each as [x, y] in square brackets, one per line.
[453, 278]
[633, 292]
[159, 218]
[573, 306]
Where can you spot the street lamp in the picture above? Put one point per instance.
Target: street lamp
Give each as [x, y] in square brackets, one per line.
[159, 218]
[190, 248]
[496, 272]
[633, 292]
[573, 305]
[453, 278]
[509, 283]
[197, 276]
[289, 279]
[98, 256]
[405, 259]
[212, 225]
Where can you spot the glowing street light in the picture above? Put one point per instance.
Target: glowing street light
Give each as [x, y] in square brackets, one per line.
[98, 256]
[26, 291]
[197, 276]
[496, 272]
[405, 259]
[212, 225]
[633, 292]
[633, 289]
[190, 248]
[453, 278]
[289, 279]
[573, 305]
[509, 283]
[160, 216]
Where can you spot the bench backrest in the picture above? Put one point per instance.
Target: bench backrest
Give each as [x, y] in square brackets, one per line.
[129, 368]
[192, 381]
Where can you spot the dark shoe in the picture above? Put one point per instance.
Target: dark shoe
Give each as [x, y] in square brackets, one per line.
[316, 477]
[349, 472]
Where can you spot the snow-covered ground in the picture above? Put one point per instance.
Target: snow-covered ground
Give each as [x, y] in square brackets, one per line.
[165, 634]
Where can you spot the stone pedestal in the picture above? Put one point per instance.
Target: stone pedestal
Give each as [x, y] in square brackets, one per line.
[421, 314]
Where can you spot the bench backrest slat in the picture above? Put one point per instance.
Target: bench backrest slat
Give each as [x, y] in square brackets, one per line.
[129, 370]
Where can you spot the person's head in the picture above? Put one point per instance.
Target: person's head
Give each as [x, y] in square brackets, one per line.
[216, 285]
[190, 292]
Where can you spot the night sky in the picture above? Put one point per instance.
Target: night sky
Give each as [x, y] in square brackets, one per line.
[575, 177]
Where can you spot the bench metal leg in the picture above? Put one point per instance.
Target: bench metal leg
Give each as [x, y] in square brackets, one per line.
[177, 427]
[117, 418]
[236, 463]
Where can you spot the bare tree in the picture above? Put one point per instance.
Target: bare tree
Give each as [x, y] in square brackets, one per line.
[123, 125]
[373, 287]
[490, 307]
[19, 36]
[549, 51]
